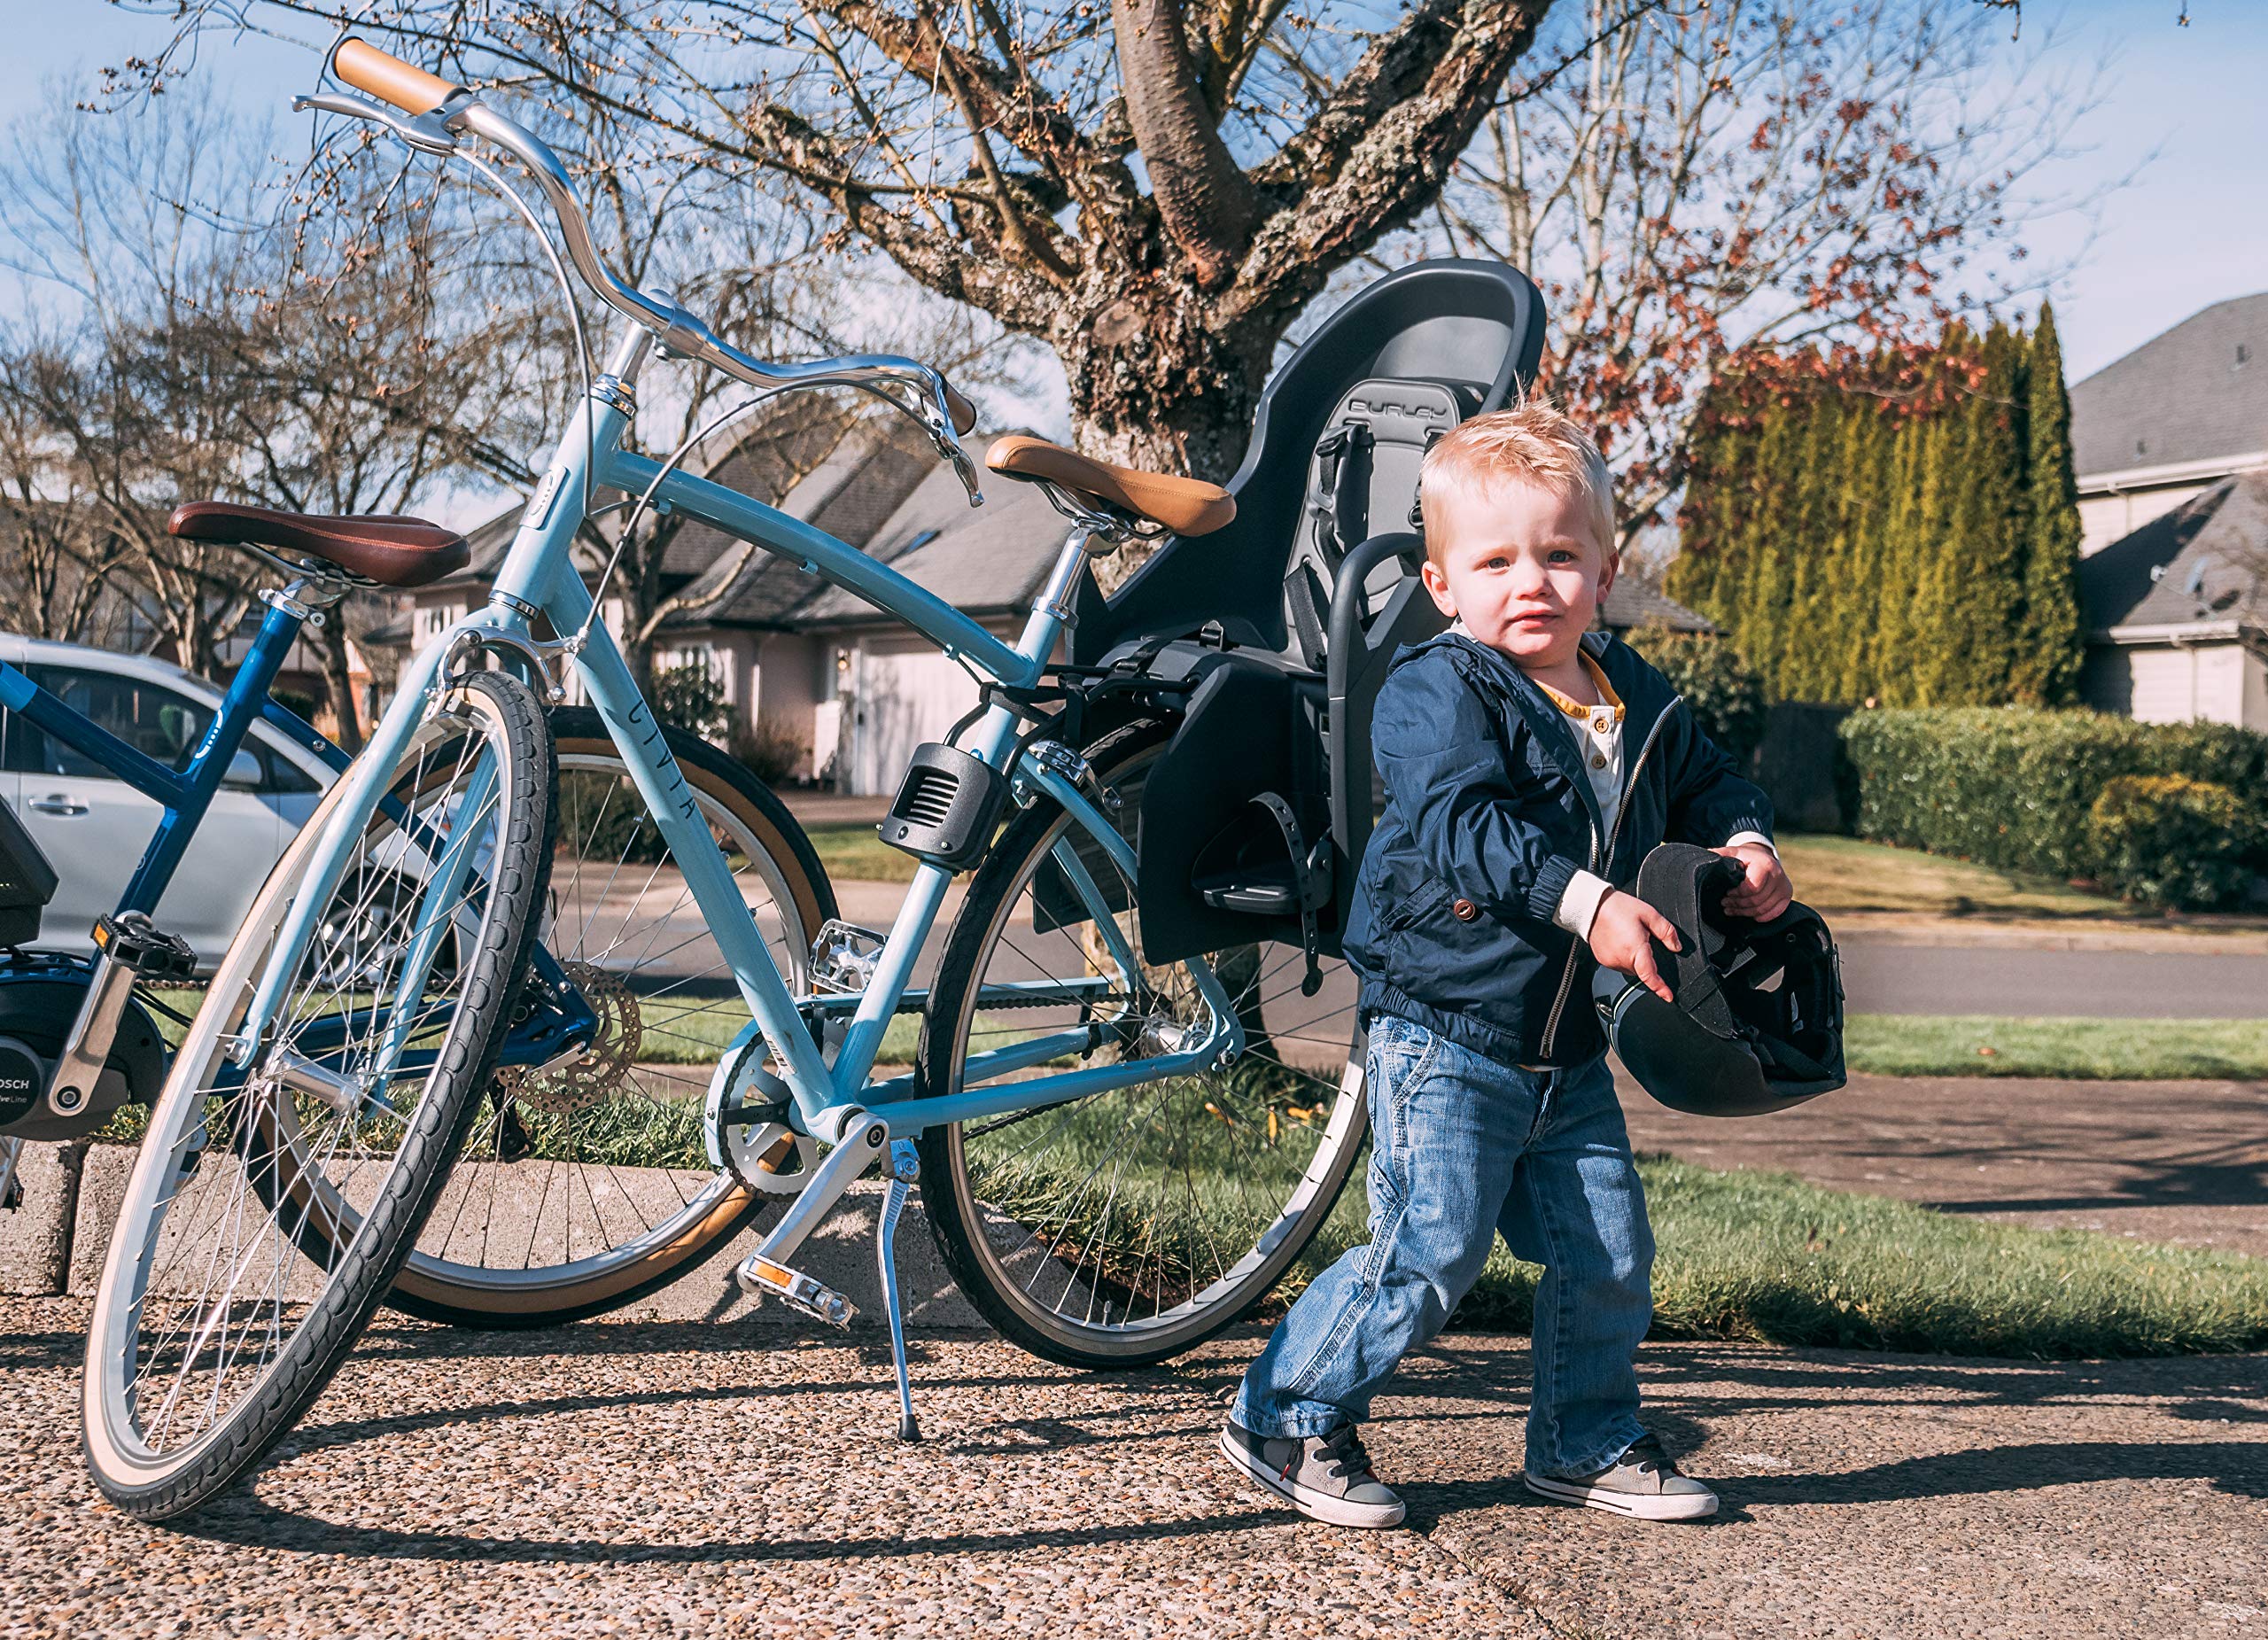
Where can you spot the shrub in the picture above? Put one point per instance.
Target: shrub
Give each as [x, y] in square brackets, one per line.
[2015, 787]
[691, 697]
[1727, 698]
[2175, 842]
[772, 751]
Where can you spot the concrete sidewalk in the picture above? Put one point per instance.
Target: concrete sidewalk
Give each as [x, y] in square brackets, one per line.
[674, 1479]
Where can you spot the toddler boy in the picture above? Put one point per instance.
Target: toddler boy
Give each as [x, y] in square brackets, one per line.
[1529, 764]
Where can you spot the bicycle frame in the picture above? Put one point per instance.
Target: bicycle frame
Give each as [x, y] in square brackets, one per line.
[537, 577]
[184, 797]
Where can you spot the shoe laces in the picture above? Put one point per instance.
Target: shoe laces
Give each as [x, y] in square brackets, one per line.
[1647, 1454]
[1342, 1449]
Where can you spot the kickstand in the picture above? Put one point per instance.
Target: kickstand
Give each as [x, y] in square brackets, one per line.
[905, 1167]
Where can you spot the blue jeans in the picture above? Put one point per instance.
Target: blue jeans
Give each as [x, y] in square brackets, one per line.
[1460, 1149]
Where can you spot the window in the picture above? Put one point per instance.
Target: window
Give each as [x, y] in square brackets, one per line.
[2244, 355]
[156, 721]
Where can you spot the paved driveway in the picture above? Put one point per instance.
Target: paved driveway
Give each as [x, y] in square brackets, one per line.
[671, 1480]
[2164, 1160]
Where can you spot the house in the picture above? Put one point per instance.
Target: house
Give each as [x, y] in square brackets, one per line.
[2176, 611]
[2171, 444]
[2170, 420]
[820, 684]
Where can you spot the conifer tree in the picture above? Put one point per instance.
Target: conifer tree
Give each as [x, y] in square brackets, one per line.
[2048, 647]
[1975, 583]
[1760, 618]
[1903, 630]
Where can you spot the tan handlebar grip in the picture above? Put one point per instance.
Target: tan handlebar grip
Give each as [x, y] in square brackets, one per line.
[389, 79]
[962, 411]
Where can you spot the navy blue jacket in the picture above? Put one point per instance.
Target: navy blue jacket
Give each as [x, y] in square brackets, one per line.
[1488, 814]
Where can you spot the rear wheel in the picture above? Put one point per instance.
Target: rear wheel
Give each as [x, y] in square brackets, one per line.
[585, 1185]
[270, 1204]
[1125, 1227]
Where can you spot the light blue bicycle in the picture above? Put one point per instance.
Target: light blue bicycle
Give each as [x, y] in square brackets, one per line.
[1119, 1156]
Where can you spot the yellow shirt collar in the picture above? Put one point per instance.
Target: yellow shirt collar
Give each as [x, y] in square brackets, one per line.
[1606, 695]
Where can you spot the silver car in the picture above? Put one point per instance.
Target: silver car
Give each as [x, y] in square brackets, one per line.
[94, 826]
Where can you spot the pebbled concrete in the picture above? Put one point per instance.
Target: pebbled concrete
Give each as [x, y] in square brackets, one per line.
[667, 1480]
[35, 1237]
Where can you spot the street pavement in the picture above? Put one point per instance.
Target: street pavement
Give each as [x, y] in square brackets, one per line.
[1904, 975]
[673, 1480]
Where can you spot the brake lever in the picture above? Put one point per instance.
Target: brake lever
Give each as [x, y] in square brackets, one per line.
[937, 422]
[424, 132]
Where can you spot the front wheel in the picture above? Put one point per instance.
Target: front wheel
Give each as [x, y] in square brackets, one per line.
[271, 1201]
[584, 1185]
[1124, 1227]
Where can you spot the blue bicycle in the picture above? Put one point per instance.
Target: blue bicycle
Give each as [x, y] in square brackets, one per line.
[1138, 1087]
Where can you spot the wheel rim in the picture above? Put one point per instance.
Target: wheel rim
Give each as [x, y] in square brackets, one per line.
[616, 1222]
[206, 1289]
[1132, 1222]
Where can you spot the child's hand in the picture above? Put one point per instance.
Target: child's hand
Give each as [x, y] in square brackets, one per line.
[1766, 891]
[1623, 930]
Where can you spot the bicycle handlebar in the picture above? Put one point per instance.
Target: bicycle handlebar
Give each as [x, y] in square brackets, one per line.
[389, 79]
[438, 110]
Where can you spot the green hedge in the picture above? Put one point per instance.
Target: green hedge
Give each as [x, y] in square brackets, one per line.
[2016, 788]
[2174, 842]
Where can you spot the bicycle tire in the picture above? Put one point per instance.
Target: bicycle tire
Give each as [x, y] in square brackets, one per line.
[595, 1281]
[958, 1214]
[265, 1131]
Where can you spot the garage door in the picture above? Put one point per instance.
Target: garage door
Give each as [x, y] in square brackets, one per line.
[904, 696]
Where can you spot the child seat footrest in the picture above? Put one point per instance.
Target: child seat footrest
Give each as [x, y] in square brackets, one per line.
[1243, 870]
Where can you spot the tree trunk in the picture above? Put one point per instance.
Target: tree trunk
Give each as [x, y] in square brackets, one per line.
[1162, 388]
[339, 682]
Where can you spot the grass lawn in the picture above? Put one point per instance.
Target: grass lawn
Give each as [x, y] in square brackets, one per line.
[1765, 1256]
[2139, 1049]
[850, 852]
[1834, 873]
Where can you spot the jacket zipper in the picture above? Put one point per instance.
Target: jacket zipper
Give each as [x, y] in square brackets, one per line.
[1574, 950]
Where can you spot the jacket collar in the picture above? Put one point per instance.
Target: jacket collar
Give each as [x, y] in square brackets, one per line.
[1645, 697]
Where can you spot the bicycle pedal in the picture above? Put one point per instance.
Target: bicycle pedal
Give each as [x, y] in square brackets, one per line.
[760, 1278]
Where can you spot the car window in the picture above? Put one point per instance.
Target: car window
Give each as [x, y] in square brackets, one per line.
[158, 722]
[279, 775]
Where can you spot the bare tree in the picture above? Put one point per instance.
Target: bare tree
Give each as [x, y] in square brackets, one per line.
[1153, 188]
[179, 353]
[1697, 186]
[57, 559]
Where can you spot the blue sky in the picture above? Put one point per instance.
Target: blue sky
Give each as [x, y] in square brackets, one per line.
[2191, 229]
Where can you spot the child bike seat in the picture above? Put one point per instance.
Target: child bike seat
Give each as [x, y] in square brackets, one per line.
[388, 549]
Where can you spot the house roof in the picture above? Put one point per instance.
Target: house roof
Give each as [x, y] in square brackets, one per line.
[2197, 392]
[850, 494]
[2206, 563]
[1634, 603]
[983, 561]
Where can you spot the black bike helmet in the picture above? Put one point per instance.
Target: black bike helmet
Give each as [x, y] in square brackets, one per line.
[1758, 1022]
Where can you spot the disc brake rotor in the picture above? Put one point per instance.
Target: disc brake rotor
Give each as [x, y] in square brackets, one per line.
[598, 1072]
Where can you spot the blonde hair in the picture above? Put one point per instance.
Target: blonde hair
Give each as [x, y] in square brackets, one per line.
[1534, 443]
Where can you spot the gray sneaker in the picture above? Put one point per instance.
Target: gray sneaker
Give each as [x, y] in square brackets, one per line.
[1325, 1478]
[1642, 1482]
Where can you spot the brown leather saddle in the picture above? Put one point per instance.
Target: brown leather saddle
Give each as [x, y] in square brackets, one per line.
[383, 549]
[1184, 506]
